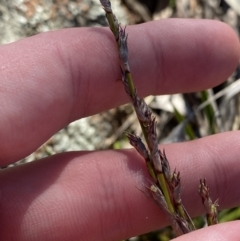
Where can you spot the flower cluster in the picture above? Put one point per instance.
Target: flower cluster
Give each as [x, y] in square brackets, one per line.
[165, 189]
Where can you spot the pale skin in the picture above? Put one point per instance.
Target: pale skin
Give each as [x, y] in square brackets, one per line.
[49, 80]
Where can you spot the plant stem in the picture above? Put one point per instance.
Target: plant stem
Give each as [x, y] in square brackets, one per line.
[152, 155]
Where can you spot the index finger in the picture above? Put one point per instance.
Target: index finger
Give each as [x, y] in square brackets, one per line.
[54, 78]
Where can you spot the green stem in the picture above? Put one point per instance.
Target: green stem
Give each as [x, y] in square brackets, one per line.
[161, 178]
[130, 83]
[110, 19]
[163, 184]
[151, 170]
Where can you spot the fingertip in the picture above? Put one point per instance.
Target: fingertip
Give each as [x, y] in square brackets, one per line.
[228, 46]
[221, 232]
[186, 55]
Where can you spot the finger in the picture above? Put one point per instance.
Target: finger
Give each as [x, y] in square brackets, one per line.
[220, 232]
[54, 78]
[96, 195]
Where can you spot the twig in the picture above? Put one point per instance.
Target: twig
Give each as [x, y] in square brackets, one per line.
[166, 188]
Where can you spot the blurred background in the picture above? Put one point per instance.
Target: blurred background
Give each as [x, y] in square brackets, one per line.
[180, 117]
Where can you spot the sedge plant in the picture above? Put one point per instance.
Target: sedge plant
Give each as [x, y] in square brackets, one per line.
[165, 186]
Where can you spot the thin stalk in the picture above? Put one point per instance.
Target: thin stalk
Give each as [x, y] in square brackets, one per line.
[110, 18]
[112, 24]
[163, 184]
[151, 170]
[130, 83]
[184, 214]
[156, 161]
[115, 30]
[121, 39]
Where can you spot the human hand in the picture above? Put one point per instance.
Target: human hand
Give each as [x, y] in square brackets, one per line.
[52, 79]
